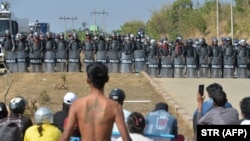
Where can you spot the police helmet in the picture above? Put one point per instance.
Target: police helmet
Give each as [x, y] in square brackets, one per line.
[229, 39]
[117, 95]
[48, 34]
[178, 39]
[3, 110]
[17, 105]
[36, 35]
[214, 39]
[43, 115]
[87, 34]
[190, 42]
[202, 41]
[243, 42]
[7, 32]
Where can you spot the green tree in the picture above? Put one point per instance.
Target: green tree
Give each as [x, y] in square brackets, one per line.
[132, 27]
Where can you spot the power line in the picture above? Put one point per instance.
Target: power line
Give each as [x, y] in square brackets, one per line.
[103, 13]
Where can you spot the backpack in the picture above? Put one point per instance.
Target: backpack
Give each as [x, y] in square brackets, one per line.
[11, 129]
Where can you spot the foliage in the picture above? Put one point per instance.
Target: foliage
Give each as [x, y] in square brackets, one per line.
[189, 20]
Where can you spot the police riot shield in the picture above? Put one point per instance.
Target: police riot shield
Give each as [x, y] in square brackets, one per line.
[153, 66]
[36, 61]
[140, 60]
[126, 63]
[87, 59]
[167, 69]
[101, 57]
[114, 61]
[228, 67]
[22, 64]
[204, 67]
[74, 61]
[191, 67]
[61, 61]
[179, 65]
[242, 71]
[11, 61]
[216, 67]
[49, 61]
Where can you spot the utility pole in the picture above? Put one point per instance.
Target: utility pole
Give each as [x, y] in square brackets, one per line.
[217, 11]
[232, 21]
[103, 13]
[64, 18]
[73, 18]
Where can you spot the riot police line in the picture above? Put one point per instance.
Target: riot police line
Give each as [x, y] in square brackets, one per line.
[127, 54]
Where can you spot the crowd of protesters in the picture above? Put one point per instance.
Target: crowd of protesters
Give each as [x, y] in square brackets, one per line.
[97, 117]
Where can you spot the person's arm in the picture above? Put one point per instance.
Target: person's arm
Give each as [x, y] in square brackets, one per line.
[70, 124]
[120, 122]
[200, 101]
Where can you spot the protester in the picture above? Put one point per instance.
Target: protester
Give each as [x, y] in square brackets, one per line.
[95, 113]
[17, 108]
[245, 110]
[208, 104]
[43, 130]
[119, 96]
[3, 111]
[218, 115]
[60, 116]
[136, 124]
[160, 121]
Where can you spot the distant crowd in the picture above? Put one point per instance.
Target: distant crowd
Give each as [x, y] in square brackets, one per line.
[97, 117]
[191, 58]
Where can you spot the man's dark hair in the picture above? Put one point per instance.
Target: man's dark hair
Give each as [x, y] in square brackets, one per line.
[97, 74]
[161, 106]
[219, 97]
[245, 107]
[136, 123]
[212, 87]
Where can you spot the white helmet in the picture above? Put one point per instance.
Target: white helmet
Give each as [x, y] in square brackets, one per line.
[43, 115]
[69, 98]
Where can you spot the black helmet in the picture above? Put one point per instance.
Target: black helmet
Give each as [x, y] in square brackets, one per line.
[214, 39]
[190, 42]
[17, 105]
[3, 110]
[117, 95]
[202, 41]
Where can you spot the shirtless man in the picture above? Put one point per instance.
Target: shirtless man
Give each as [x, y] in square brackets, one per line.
[95, 114]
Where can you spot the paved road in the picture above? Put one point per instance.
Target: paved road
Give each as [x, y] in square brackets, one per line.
[183, 90]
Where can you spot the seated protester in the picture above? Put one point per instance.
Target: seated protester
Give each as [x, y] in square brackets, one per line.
[219, 114]
[3, 111]
[160, 121]
[208, 104]
[136, 124]
[17, 107]
[245, 110]
[60, 116]
[43, 130]
[119, 96]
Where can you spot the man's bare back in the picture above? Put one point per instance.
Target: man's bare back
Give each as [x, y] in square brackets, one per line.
[95, 114]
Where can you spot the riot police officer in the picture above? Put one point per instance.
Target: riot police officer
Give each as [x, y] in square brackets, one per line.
[36, 53]
[190, 55]
[74, 48]
[216, 59]
[101, 49]
[204, 52]
[22, 53]
[242, 59]
[9, 48]
[61, 54]
[49, 54]
[89, 49]
[229, 54]
[179, 60]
